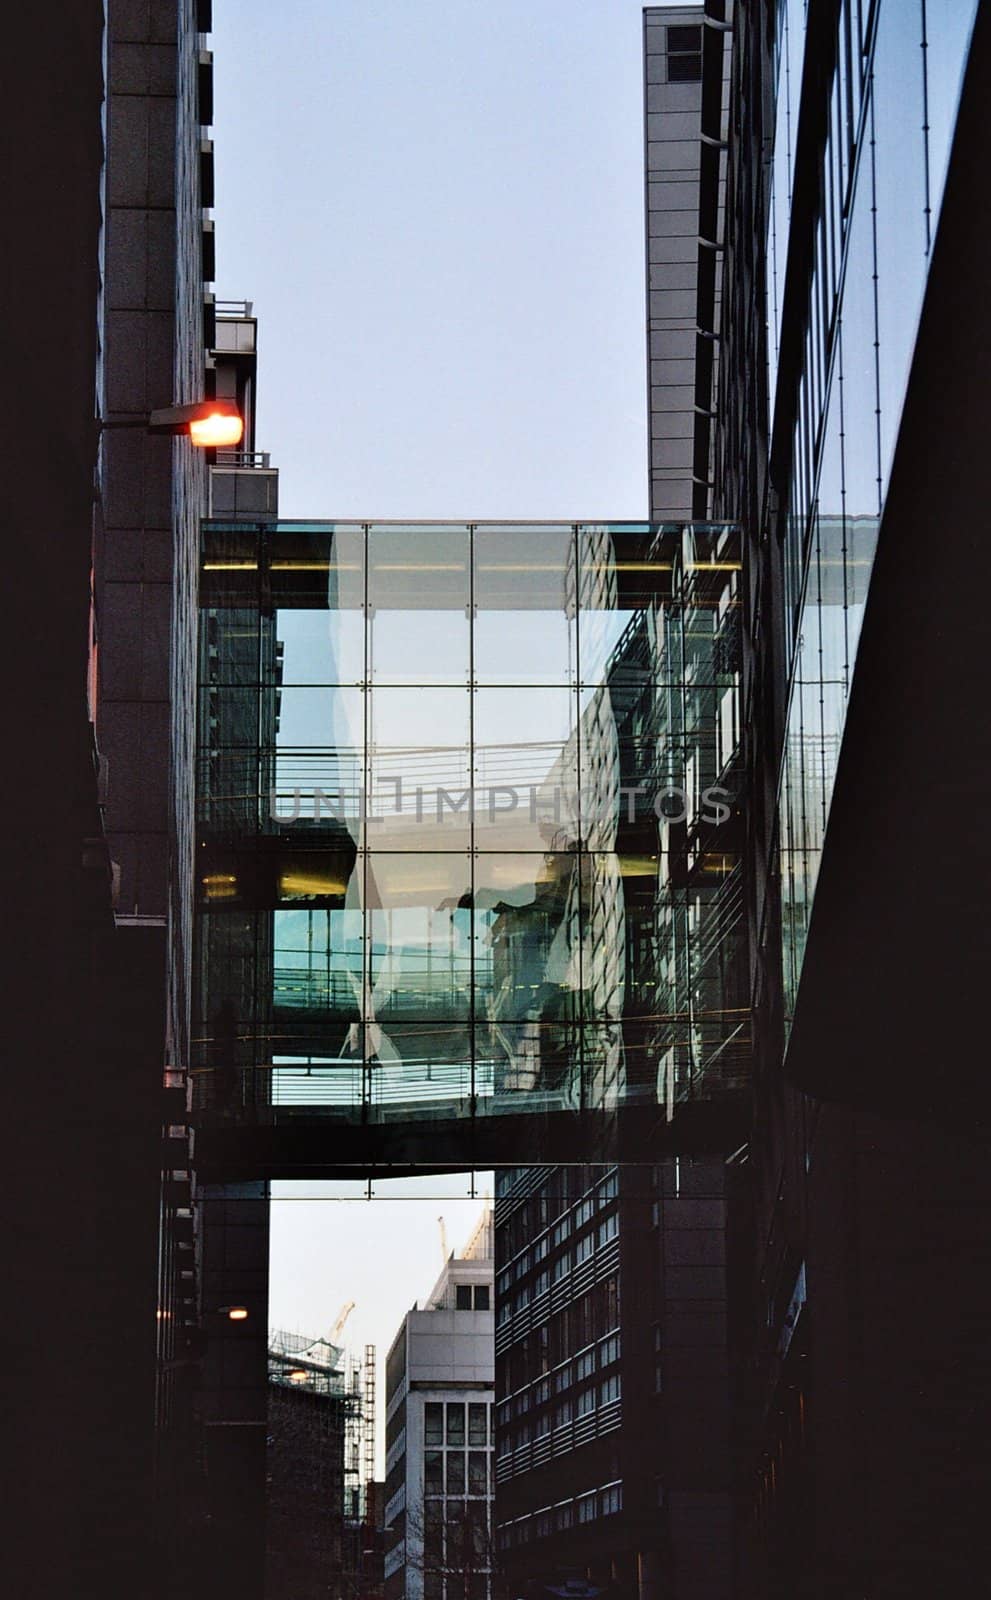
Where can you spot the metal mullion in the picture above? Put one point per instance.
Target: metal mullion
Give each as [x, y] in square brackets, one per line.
[581, 822]
[366, 950]
[472, 845]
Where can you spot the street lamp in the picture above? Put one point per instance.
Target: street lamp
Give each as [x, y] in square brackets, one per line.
[208, 424]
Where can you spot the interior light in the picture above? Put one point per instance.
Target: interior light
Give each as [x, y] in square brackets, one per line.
[237, 1313]
[299, 1376]
[309, 883]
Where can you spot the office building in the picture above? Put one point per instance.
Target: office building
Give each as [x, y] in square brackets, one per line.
[614, 1421]
[438, 1487]
[686, 82]
[613, 1425]
[857, 214]
[104, 307]
[114, 282]
[321, 1427]
[852, 1227]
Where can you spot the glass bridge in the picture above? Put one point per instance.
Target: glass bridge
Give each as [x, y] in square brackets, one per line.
[468, 851]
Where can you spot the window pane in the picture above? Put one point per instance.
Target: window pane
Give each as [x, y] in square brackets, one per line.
[455, 1423]
[433, 1423]
[418, 929]
[419, 768]
[684, 39]
[433, 1471]
[524, 605]
[526, 767]
[684, 69]
[477, 1472]
[525, 928]
[418, 605]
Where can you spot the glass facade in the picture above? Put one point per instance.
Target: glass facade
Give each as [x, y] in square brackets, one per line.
[468, 824]
[892, 108]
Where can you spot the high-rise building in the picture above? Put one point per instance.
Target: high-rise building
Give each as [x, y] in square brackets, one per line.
[316, 1514]
[686, 82]
[856, 221]
[104, 308]
[614, 1422]
[844, 242]
[113, 187]
[439, 1481]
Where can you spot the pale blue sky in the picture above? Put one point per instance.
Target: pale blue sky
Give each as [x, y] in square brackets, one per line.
[437, 208]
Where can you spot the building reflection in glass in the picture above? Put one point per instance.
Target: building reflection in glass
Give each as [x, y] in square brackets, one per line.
[469, 834]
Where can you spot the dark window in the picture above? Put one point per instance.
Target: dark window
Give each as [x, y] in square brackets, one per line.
[462, 1296]
[684, 55]
[455, 1472]
[433, 1472]
[482, 1297]
[434, 1423]
[477, 1465]
[477, 1429]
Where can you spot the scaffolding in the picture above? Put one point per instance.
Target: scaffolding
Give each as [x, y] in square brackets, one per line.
[321, 1458]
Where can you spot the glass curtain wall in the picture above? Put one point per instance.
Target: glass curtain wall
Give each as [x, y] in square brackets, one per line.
[892, 109]
[469, 833]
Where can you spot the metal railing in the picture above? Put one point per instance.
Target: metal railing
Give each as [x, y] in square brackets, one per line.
[245, 460]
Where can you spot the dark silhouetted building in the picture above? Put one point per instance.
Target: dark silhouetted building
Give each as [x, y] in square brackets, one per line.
[856, 222]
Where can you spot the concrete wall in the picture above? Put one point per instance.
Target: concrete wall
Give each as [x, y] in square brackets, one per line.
[673, 113]
[153, 489]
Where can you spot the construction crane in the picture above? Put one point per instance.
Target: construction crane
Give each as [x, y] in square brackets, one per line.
[443, 1241]
[342, 1317]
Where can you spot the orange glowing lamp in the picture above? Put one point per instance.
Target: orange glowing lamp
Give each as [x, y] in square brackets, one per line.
[208, 424]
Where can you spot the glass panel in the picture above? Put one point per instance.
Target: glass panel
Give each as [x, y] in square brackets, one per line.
[418, 598]
[365, 956]
[625, 576]
[421, 1068]
[318, 583]
[317, 957]
[433, 1472]
[860, 448]
[318, 775]
[532, 1067]
[901, 196]
[455, 1423]
[525, 937]
[477, 1424]
[947, 40]
[477, 1472]
[526, 768]
[419, 768]
[455, 1472]
[230, 572]
[524, 605]
[419, 931]
[433, 1422]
